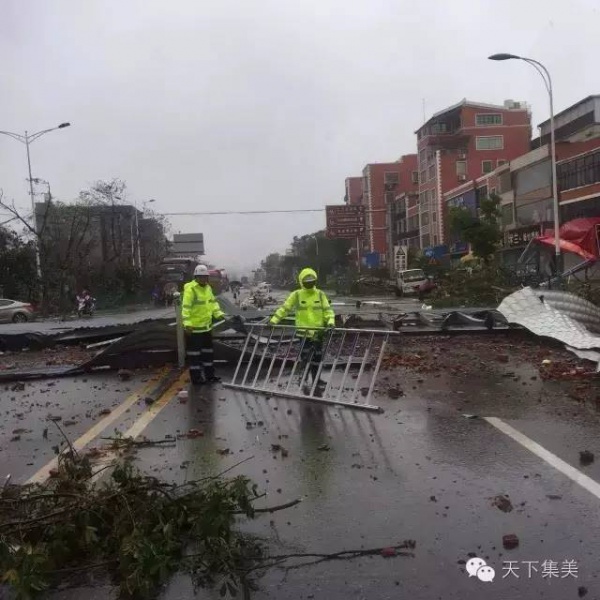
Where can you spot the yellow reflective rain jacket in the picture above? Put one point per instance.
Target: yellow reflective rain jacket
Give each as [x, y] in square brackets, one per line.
[199, 306]
[311, 306]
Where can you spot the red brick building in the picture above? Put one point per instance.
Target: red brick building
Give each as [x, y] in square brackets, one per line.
[459, 144]
[381, 184]
[353, 194]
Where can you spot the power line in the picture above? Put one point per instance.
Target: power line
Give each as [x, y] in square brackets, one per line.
[240, 212]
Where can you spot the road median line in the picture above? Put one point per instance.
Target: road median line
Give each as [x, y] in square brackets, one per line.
[167, 394]
[157, 381]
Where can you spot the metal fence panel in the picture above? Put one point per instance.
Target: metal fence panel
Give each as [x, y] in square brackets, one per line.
[284, 361]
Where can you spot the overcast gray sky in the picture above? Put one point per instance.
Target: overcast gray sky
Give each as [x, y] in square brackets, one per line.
[263, 104]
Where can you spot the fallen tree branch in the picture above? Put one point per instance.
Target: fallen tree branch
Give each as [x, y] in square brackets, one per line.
[272, 509]
[118, 443]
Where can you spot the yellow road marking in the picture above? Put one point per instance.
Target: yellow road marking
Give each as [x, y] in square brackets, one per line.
[142, 422]
[43, 474]
[147, 417]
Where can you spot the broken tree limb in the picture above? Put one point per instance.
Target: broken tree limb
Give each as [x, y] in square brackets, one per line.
[272, 509]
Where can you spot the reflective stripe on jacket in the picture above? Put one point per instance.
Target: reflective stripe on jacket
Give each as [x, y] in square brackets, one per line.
[199, 306]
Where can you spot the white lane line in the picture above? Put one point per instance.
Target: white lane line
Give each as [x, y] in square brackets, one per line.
[560, 465]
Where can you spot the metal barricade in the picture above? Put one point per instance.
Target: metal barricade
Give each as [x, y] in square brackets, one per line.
[314, 365]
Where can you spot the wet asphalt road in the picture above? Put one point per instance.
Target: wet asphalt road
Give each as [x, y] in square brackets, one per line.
[420, 471]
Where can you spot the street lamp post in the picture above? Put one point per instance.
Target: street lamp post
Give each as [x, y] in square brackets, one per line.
[28, 139]
[545, 75]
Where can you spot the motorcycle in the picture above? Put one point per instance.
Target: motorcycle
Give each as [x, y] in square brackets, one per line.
[86, 306]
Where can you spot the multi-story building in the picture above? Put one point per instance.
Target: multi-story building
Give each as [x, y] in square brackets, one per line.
[525, 184]
[404, 228]
[381, 184]
[459, 144]
[354, 192]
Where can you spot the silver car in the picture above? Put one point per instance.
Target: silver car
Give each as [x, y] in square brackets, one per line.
[13, 311]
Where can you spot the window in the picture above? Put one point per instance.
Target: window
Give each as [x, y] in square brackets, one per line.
[422, 157]
[487, 166]
[461, 167]
[439, 128]
[434, 217]
[423, 176]
[424, 219]
[431, 172]
[489, 142]
[435, 240]
[500, 162]
[415, 177]
[504, 182]
[579, 172]
[507, 214]
[389, 197]
[390, 177]
[488, 119]
[425, 240]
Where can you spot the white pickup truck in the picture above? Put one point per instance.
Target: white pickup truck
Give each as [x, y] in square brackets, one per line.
[409, 281]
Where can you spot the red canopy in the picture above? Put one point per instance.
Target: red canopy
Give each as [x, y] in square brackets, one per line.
[578, 236]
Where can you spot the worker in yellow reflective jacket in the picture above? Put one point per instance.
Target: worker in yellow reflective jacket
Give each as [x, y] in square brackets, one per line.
[199, 309]
[312, 309]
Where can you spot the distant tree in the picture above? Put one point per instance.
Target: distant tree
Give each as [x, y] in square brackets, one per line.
[17, 266]
[92, 243]
[481, 231]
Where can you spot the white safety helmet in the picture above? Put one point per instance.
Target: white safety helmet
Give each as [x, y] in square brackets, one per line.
[201, 271]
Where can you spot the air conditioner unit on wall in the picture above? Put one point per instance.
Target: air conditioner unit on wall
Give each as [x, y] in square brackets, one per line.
[462, 177]
[462, 157]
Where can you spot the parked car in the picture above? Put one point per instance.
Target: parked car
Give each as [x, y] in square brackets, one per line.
[15, 311]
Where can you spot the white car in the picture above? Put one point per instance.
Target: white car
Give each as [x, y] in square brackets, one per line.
[409, 281]
[13, 311]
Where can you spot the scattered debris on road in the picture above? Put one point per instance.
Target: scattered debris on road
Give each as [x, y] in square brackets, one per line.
[586, 458]
[510, 541]
[503, 503]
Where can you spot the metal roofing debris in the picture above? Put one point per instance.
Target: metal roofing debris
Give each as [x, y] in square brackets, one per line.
[554, 314]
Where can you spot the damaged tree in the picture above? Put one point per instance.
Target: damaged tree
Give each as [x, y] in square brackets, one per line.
[138, 530]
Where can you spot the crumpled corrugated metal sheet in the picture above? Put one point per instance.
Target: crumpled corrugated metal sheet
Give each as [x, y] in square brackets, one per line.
[559, 315]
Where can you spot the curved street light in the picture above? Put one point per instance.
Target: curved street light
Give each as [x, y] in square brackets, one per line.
[28, 139]
[545, 75]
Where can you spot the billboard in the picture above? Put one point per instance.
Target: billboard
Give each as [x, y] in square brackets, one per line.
[345, 221]
[187, 244]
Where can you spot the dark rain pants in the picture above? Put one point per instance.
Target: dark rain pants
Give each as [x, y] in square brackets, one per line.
[199, 353]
